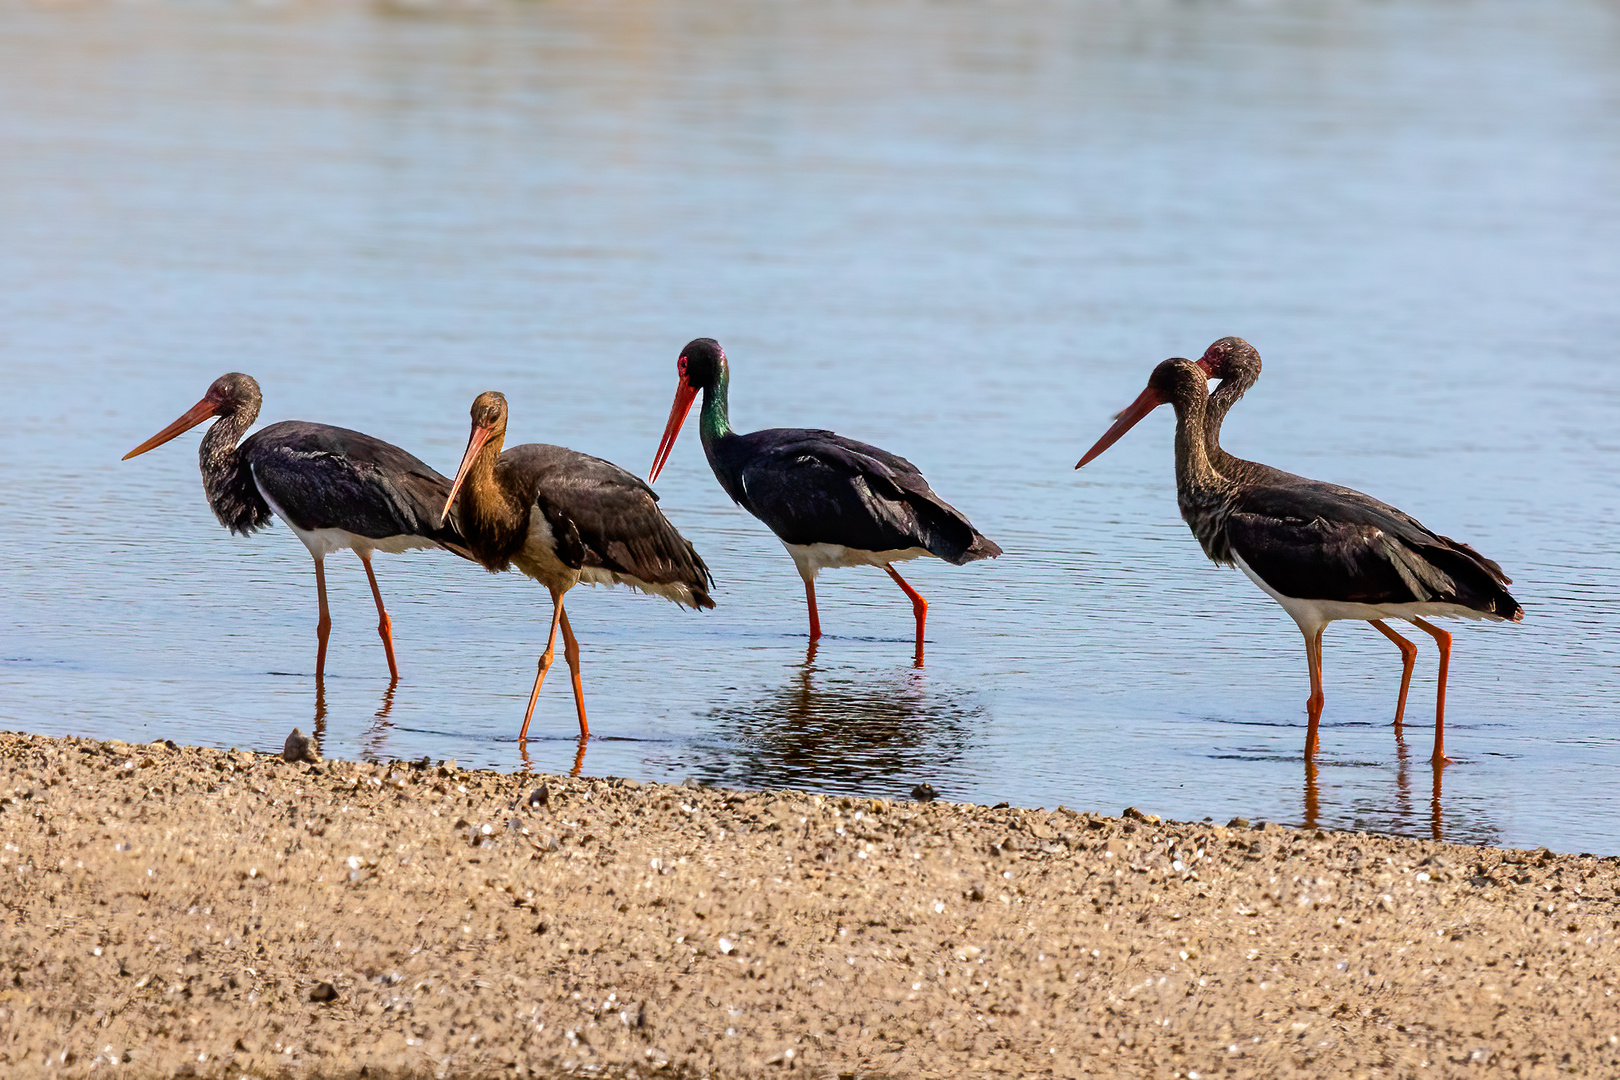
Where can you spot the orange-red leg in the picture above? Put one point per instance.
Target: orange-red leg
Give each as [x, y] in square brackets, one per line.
[1313, 798]
[810, 598]
[1436, 820]
[323, 626]
[385, 625]
[1408, 660]
[1313, 704]
[545, 663]
[1442, 639]
[377, 732]
[919, 607]
[571, 654]
[318, 728]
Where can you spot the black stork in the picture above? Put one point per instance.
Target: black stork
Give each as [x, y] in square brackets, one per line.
[334, 488]
[1236, 364]
[562, 518]
[832, 501]
[1320, 553]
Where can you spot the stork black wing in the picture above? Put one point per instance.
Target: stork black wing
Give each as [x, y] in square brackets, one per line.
[1315, 543]
[325, 477]
[603, 516]
[815, 487]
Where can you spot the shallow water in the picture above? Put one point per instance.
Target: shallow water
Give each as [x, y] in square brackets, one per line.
[963, 232]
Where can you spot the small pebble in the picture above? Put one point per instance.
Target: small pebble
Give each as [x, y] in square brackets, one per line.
[299, 748]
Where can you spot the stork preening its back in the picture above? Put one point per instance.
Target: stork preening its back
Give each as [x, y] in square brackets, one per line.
[1236, 364]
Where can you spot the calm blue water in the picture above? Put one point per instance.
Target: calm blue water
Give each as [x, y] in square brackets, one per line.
[965, 232]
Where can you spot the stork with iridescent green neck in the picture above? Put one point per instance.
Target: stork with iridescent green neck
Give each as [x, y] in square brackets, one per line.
[832, 501]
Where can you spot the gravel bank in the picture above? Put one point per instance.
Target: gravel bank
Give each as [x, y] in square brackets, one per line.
[179, 910]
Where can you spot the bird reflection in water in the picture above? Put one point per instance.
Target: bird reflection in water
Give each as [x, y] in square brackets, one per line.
[1313, 797]
[376, 736]
[374, 742]
[1403, 785]
[1404, 815]
[375, 739]
[318, 725]
[579, 755]
[873, 732]
[1403, 795]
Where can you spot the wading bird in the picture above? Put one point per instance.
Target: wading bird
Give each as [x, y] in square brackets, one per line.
[1236, 364]
[1321, 554]
[334, 488]
[563, 517]
[832, 501]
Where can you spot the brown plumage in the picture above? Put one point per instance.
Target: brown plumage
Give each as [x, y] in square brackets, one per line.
[562, 518]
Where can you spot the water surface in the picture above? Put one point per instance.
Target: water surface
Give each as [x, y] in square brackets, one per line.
[965, 232]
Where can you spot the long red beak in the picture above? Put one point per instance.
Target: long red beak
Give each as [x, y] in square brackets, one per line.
[190, 419]
[475, 443]
[1145, 403]
[684, 396]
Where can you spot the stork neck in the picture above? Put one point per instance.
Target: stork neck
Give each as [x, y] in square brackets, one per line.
[715, 421]
[1226, 395]
[1195, 475]
[494, 517]
[1220, 402]
[217, 457]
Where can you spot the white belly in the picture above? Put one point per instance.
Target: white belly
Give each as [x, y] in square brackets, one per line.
[538, 559]
[1312, 615]
[322, 542]
[811, 558]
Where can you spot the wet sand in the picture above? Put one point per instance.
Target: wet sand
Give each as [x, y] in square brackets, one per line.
[175, 910]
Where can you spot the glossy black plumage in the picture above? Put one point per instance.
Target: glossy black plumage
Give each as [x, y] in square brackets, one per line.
[1237, 365]
[832, 501]
[1387, 552]
[334, 487]
[325, 477]
[1309, 542]
[1322, 552]
[815, 487]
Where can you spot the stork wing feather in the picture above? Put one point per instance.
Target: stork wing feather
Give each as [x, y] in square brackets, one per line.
[813, 486]
[1385, 515]
[1316, 543]
[602, 516]
[326, 477]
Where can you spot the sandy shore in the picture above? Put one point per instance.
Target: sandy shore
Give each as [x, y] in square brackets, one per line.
[177, 910]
